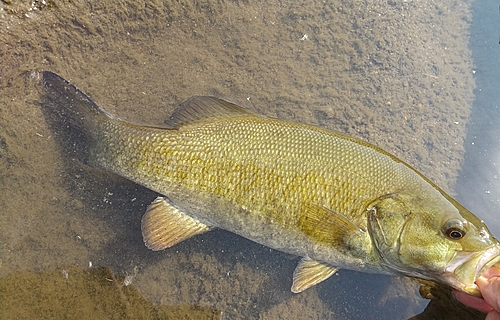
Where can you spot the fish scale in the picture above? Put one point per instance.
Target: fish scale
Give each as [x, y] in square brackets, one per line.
[255, 166]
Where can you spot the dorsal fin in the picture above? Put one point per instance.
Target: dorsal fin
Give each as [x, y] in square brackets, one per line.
[201, 108]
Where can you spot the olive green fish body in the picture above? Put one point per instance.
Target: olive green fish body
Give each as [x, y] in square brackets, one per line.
[332, 199]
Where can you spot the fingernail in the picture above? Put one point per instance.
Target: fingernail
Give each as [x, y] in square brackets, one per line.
[491, 272]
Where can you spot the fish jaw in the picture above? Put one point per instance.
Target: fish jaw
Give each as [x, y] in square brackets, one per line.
[463, 270]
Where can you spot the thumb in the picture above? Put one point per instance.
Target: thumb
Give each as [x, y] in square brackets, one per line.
[489, 285]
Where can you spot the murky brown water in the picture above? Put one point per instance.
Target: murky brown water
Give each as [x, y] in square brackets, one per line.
[397, 74]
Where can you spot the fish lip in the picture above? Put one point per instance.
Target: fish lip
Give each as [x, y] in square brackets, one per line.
[488, 258]
[484, 260]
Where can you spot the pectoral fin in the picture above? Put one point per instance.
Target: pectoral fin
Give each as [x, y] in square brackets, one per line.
[327, 226]
[309, 273]
[164, 225]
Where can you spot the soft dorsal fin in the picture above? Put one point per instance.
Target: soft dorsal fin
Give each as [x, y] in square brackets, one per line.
[309, 273]
[327, 226]
[201, 108]
[164, 225]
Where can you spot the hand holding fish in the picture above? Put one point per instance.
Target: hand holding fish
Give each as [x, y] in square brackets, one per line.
[489, 285]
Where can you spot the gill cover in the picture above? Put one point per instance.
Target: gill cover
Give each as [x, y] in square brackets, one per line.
[408, 238]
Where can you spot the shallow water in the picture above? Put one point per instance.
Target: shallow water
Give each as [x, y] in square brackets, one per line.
[397, 74]
[478, 185]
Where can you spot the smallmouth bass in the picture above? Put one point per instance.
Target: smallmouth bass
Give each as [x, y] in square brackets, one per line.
[334, 200]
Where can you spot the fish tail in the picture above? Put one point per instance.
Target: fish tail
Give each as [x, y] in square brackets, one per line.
[73, 117]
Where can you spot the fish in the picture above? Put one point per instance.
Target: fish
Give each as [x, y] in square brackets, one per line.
[335, 201]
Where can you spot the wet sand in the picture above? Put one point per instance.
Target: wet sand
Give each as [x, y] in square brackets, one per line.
[396, 74]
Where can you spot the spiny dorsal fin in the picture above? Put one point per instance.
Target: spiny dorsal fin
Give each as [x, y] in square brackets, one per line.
[309, 273]
[327, 226]
[164, 226]
[201, 108]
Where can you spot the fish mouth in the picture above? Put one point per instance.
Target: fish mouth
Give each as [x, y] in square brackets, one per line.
[463, 269]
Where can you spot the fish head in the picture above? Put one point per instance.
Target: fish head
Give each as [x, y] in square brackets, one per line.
[432, 239]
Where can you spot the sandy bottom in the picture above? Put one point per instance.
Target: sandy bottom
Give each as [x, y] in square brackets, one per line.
[397, 74]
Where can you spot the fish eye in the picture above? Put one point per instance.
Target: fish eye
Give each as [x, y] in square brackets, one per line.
[453, 229]
[454, 233]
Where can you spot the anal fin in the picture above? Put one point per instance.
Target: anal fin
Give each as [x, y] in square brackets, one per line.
[309, 273]
[163, 225]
